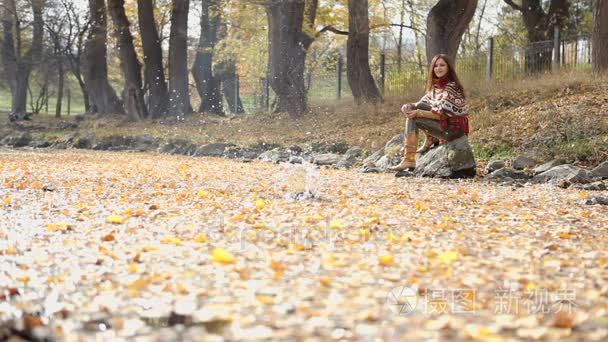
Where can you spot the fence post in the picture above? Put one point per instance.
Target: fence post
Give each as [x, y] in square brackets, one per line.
[382, 72]
[339, 79]
[490, 59]
[556, 48]
[237, 85]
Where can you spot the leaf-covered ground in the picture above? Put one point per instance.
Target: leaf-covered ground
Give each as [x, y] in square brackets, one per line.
[107, 245]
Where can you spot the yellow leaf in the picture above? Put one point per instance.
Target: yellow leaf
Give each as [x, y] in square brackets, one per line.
[171, 240]
[115, 219]
[222, 256]
[201, 238]
[422, 269]
[8, 251]
[448, 257]
[420, 206]
[386, 260]
[335, 224]
[564, 235]
[23, 278]
[7, 201]
[132, 267]
[265, 299]
[201, 193]
[260, 204]
[149, 248]
[583, 195]
[325, 281]
[59, 227]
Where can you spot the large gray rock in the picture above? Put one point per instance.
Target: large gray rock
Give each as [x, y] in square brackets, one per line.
[144, 143]
[349, 158]
[86, 141]
[494, 165]
[179, 146]
[548, 166]
[211, 150]
[600, 171]
[396, 141]
[569, 173]
[595, 186]
[505, 173]
[373, 158]
[276, 156]
[452, 160]
[19, 140]
[387, 161]
[327, 159]
[523, 162]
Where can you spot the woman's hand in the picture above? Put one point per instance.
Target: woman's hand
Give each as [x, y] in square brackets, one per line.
[406, 108]
[412, 114]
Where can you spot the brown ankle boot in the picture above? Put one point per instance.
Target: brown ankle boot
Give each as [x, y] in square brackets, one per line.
[409, 156]
[429, 142]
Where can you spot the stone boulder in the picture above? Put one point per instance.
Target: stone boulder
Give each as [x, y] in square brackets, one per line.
[276, 156]
[494, 165]
[600, 171]
[548, 166]
[19, 140]
[522, 162]
[507, 173]
[452, 160]
[327, 159]
[211, 150]
[349, 158]
[568, 173]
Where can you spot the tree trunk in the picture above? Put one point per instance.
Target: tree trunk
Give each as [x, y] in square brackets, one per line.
[539, 27]
[230, 87]
[208, 84]
[287, 45]
[60, 82]
[131, 68]
[599, 38]
[179, 97]
[158, 99]
[359, 75]
[17, 66]
[445, 25]
[103, 99]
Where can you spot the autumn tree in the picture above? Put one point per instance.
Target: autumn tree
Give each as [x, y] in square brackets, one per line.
[19, 57]
[158, 99]
[359, 75]
[131, 68]
[179, 96]
[102, 98]
[600, 36]
[207, 82]
[287, 44]
[445, 25]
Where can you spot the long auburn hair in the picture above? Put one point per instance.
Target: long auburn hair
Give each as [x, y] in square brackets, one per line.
[451, 72]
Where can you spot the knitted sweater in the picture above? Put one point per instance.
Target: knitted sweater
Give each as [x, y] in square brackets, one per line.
[450, 103]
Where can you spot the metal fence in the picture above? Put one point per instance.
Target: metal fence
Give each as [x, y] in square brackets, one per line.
[495, 64]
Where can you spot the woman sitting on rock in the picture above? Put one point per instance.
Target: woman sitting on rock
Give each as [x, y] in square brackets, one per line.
[441, 113]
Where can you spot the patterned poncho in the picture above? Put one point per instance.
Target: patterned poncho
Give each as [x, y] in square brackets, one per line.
[447, 99]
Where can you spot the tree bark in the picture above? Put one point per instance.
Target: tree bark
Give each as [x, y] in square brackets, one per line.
[599, 37]
[103, 99]
[158, 99]
[230, 87]
[207, 83]
[287, 46]
[179, 97]
[60, 83]
[539, 27]
[131, 68]
[17, 66]
[445, 25]
[359, 75]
